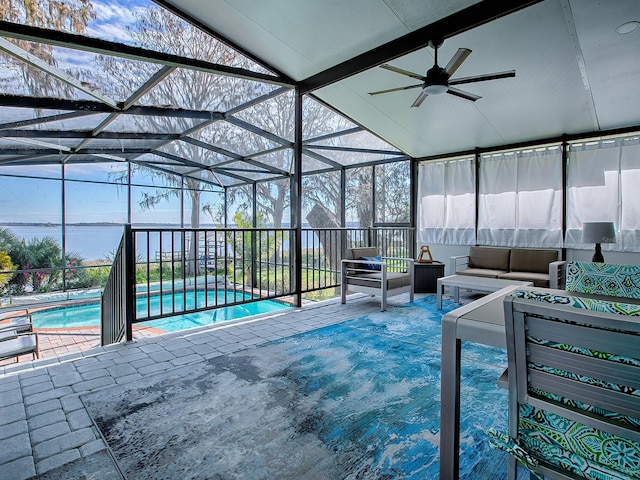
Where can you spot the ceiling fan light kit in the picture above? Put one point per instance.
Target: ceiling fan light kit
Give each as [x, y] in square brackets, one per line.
[438, 80]
[434, 89]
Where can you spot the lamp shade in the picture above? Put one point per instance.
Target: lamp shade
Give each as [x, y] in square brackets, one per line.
[598, 232]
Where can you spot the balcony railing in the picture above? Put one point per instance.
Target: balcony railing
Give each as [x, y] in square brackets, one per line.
[200, 269]
[324, 248]
[158, 273]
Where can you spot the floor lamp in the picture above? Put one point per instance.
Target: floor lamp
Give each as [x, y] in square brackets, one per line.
[598, 232]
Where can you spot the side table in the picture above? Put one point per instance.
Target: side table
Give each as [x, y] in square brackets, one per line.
[425, 276]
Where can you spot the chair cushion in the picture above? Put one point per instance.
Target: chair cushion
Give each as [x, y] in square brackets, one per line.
[19, 324]
[18, 346]
[621, 308]
[372, 266]
[482, 272]
[586, 451]
[394, 280]
[567, 445]
[538, 279]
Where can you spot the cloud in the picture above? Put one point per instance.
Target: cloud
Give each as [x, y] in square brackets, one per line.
[113, 19]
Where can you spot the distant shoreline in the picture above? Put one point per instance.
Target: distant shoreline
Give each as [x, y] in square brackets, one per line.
[94, 224]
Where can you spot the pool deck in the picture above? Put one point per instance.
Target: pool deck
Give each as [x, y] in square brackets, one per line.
[43, 423]
[57, 342]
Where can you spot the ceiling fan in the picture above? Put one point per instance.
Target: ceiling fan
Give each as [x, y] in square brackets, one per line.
[438, 79]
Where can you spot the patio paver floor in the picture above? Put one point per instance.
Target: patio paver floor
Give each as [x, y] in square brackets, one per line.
[43, 422]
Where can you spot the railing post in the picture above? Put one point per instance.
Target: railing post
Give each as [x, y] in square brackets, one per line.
[129, 281]
[296, 198]
[254, 258]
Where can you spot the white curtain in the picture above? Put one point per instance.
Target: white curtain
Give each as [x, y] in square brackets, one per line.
[603, 185]
[520, 198]
[446, 202]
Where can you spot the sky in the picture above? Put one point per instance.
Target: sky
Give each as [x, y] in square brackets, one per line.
[35, 201]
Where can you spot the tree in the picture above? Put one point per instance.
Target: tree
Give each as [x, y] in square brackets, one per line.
[8, 239]
[6, 265]
[393, 193]
[278, 116]
[69, 15]
[41, 255]
[185, 88]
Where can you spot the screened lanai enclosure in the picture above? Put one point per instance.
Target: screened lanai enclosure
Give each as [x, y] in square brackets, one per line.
[226, 177]
[143, 154]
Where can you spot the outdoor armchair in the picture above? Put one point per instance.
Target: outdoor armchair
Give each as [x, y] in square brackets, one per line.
[365, 271]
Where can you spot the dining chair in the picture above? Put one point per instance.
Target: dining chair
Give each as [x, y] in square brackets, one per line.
[574, 390]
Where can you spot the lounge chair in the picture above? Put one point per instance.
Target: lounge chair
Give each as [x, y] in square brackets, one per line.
[365, 271]
[16, 345]
[17, 337]
[21, 324]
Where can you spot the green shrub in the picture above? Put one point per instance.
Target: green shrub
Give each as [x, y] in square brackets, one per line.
[5, 266]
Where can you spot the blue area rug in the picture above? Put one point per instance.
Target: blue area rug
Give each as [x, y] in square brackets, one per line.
[357, 400]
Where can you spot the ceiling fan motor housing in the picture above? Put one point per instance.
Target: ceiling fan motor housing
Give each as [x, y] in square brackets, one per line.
[437, 81]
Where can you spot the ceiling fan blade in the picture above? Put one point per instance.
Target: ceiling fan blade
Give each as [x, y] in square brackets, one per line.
[399, 89]
[418, 101]
[457, 59]
[482, 78]
[463, 94]
[403, 72]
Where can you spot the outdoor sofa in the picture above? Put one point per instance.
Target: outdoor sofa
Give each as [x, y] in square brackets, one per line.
[540, 266]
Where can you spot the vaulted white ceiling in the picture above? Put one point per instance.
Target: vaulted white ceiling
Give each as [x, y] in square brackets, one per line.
[574, 72]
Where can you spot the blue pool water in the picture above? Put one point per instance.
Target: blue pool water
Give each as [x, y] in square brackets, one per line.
[89, 314]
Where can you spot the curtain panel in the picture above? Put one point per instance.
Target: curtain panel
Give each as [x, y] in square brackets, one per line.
[446, 202]
[602, 186]
[520, 198]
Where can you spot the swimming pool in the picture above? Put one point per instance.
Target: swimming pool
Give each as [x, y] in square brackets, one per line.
[88, 314]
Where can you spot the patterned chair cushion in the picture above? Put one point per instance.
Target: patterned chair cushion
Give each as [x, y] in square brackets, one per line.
[569, 445]
[594, 304]
[583, 450]
[604, 279]
[590, 453]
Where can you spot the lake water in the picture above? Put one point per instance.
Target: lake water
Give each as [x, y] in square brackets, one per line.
[93, 242]
[90, 242]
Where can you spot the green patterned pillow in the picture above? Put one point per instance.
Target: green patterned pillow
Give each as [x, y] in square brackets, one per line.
[586, 451]
[604, 279]
[593, 304]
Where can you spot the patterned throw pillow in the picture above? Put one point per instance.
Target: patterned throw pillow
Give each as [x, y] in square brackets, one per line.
[604, 279]
[372, 266]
